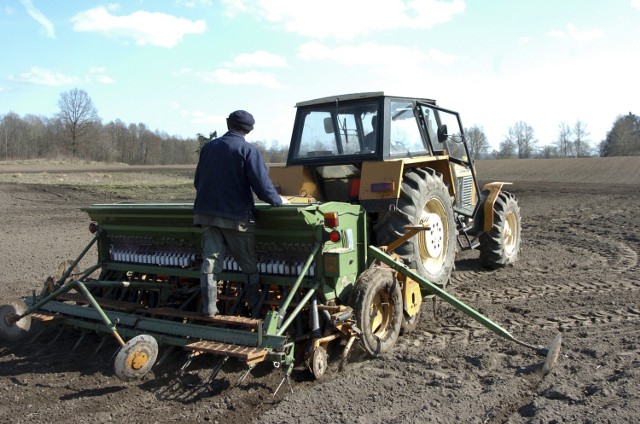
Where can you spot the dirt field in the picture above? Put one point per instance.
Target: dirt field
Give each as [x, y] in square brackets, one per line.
[578, 274]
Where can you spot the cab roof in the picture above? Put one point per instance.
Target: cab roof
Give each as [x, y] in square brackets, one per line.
[358, 96]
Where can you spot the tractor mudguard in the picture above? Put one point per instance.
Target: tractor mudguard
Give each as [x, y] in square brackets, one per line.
[484, 219]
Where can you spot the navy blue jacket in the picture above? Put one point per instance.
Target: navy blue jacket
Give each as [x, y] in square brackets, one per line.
[228, 170]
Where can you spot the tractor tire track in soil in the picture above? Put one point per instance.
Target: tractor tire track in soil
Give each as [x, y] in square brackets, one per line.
[578, 274]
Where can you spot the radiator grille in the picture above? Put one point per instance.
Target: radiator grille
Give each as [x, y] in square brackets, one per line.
[465, 194]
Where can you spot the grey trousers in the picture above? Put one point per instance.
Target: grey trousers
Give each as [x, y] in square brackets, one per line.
[241, 244]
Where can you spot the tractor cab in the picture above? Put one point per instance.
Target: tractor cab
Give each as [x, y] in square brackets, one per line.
[334, 138]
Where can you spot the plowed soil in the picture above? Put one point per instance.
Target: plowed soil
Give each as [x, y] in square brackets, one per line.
[578, 275]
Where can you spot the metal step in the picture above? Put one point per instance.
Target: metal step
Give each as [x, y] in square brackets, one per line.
[218, 319]
[244, 353]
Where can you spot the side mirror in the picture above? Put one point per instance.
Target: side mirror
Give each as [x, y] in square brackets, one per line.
[328, 125]
[442, 133]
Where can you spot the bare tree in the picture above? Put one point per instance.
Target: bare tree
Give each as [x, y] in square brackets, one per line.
[521, 139]
[477, 142]
[548, 152]
[522, 135]
[507, 149]
[564, 143]
[78, 115]
[580, 139]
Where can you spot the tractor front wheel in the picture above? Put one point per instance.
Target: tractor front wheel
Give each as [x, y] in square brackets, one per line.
[500, 245]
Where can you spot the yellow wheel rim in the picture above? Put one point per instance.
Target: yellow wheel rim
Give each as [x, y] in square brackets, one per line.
[510, 231]
[381, 314]
[137, 360]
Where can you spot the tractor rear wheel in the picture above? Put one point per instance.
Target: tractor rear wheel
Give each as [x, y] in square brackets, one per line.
[377, 303]
[423, 198]
[500, 246]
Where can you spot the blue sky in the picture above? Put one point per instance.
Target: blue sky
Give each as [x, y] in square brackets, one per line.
[182, 66]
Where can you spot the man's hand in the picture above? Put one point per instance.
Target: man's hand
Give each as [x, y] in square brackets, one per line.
[285, 201]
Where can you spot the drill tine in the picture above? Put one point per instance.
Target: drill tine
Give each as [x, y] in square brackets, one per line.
[79, 342]
[55, 339]
[164, 357]
[102, 342]
[34, 338]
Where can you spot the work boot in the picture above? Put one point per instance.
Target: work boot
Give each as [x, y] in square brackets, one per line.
[209, 291]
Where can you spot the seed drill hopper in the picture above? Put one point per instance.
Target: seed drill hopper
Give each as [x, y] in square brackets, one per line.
[323, 286]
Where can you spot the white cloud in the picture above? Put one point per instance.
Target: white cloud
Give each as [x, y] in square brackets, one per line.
[97, 74]
[574, 34]
[228, 77]
[190, 4]
[260, 59]
[635, 4]
[348, 19]
[158, 29]
[41, 76]
[441, 57]
[198, 117]
[182, 71]
[367, 54]
[40, 18]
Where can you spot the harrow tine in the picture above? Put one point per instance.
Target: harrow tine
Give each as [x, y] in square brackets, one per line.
[286, 377]
[217, 368]
[187, 362]
[245, 374]
[79, 342]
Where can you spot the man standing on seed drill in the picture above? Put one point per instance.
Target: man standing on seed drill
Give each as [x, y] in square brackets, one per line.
[229, 171]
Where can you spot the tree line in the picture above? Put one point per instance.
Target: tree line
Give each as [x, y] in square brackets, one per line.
[573, 141]
[77, 131]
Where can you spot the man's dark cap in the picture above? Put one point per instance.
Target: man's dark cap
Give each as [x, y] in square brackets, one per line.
[242, 118]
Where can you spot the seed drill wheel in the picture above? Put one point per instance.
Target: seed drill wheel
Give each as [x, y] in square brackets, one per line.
[377, 303]
[136, 357]
[500, 246]
[12, 329]
[319, 362]
[423, 198]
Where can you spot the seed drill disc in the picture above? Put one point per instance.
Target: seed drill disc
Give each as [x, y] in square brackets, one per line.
[136, 357]
[10, 329]
[552, 355]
